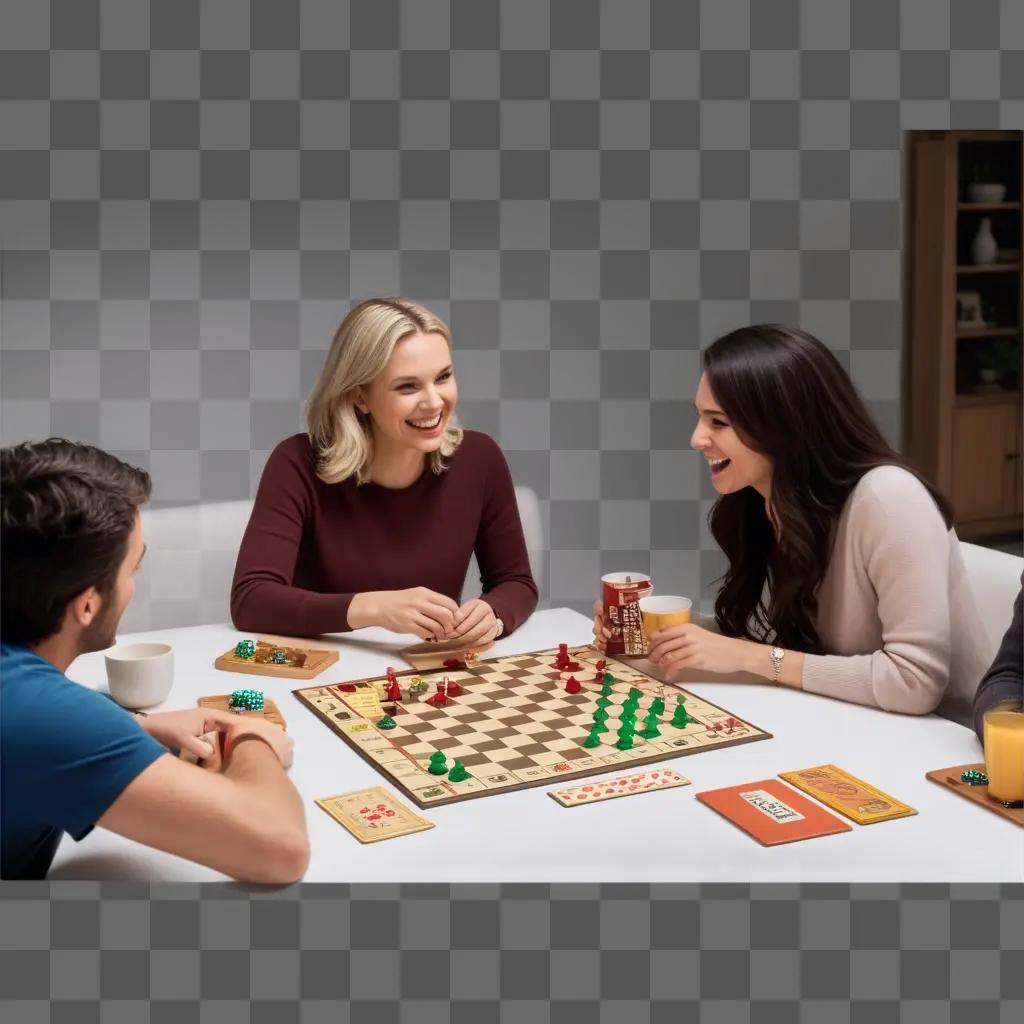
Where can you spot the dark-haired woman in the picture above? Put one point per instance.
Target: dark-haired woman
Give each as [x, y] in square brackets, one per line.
[844, 576]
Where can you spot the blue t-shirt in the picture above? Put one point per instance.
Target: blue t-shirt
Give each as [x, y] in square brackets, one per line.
[66, 754]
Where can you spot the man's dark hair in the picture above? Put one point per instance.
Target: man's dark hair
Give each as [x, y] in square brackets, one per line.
[68, 510]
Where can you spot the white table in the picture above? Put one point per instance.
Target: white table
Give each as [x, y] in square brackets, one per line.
[666, 836]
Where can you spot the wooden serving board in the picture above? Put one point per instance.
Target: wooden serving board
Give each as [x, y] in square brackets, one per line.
[221, 701]
[316, 662]
[950, 778]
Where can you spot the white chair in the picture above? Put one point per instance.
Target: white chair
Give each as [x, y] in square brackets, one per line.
[995, 579]
[185, 577]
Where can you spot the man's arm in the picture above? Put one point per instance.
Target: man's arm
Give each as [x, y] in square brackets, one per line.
[247, 822]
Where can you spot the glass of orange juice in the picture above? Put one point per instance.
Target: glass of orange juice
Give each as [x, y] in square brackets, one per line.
[663, 611]
[1004, 754]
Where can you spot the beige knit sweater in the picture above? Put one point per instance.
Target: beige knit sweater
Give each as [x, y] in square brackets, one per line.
[895, 609]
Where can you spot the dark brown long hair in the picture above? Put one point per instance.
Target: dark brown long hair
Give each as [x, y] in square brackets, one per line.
[788, 397]
[66, 515]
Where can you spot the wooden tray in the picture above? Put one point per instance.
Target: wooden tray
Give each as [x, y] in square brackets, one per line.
[316, 662]
[270, 710]
[950, 778]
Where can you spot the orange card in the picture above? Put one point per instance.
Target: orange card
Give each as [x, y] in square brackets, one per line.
[772, 813]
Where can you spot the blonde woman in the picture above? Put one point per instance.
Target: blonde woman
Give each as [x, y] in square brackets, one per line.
[370, 518]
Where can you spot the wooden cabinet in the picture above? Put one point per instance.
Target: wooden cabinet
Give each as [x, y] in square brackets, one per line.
[963, 369]
[986, 463]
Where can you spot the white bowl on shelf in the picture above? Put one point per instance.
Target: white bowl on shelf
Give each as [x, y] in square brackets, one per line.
[986, 192]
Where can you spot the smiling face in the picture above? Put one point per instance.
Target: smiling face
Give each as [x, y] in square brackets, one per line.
[412, 399]
[733, 464]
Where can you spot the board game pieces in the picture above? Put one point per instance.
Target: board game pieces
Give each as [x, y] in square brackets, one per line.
[458, 773]
[515, 726]
[680, 718]
[451, 688]
[426, 657]
[610, 789]
[373, 814]
[952, 778]
[845, 793]
[246, 700]
[573, 685]
[263, 658]
[438, 764]
[439, 699]
[650, 726]
[625, 735]
[387, 722]
[222, 703]
[772, 813]
[394, 691]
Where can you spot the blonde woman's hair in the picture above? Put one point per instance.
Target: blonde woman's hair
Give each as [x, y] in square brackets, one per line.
[341, 435]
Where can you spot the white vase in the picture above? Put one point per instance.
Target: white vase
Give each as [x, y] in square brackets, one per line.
[983, 248]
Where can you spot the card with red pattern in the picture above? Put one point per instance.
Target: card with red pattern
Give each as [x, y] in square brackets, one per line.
[373, 814]
[609, 789]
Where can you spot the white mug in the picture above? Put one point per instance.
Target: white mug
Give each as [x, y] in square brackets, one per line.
[140, 675]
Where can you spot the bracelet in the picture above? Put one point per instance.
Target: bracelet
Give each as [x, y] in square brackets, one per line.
[776, 654]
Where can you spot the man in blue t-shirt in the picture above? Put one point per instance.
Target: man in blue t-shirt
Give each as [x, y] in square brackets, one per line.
[70, 758]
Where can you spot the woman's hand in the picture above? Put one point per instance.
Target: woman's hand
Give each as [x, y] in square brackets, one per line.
[602, 633]
[691, 646]
[418, 610]
[475, 621]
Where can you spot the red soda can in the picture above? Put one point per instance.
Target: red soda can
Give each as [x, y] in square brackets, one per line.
[620, 594]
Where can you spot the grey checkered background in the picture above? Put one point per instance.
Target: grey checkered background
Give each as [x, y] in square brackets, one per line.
[77, 953]
[192, 195]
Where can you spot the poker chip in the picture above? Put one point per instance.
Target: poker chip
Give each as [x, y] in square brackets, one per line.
[973, 777]
[246, 700]
[245, 649]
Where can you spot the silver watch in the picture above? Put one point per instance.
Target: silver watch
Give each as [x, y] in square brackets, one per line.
[776, 654]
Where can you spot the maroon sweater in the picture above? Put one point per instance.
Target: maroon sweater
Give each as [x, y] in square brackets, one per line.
[310, 546]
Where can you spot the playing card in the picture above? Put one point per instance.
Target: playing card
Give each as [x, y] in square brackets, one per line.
[373, 814]
[847, 794]
[609, 789]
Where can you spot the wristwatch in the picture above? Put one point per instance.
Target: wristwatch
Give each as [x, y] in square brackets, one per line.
[776, 655]
[500, 629]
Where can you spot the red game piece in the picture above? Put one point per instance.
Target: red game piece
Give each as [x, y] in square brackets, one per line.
[599, 670]
[573, 685]
[562, 658]
[394, 690]
[454, 664]
[439, 700]
[348, 687]
[571, 666]
[452, 689]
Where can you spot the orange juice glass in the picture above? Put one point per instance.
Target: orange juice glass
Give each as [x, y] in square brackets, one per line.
[1004, 755]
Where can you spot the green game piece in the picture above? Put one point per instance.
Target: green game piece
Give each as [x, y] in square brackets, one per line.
[592, 740]
[608, 679]
[438, 765]
[279, 657]
[245, 649]
[246, 700]
[387, 722]
[600, 715]
[657, 706]
[625, 739]
[599, 726]
[458, 773]
[680, 719]
[652, 730]
[436, 791]
[635, 694]
[974, 778]
[603, 702]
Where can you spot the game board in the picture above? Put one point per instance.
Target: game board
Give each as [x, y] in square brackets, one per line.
[514, 725]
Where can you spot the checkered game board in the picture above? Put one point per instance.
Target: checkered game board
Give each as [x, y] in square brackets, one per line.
[514, 725]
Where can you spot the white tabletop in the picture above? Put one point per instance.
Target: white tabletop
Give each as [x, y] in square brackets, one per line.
[665, 836]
